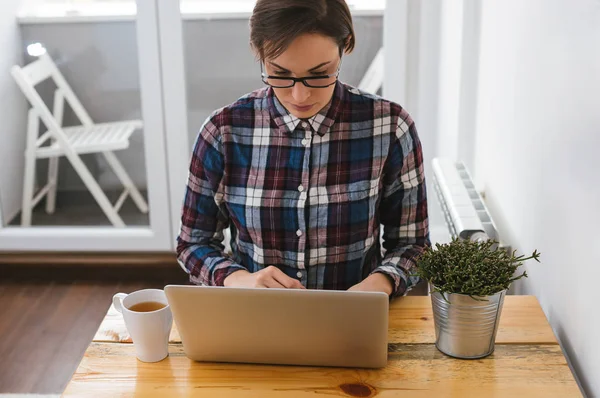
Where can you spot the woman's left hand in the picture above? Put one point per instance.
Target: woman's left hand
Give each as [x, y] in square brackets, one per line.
[377, 282]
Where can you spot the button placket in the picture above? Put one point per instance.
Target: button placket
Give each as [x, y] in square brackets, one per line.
[303, 189]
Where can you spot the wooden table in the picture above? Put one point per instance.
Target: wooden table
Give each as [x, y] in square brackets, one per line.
[528, 362]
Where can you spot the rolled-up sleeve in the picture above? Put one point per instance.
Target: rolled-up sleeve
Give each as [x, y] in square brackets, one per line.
[200, 249]
[403, 208]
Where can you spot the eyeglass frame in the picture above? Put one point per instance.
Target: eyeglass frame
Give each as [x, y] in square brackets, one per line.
[301, 79]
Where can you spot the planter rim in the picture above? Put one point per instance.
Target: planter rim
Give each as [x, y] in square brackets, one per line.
[466, 295]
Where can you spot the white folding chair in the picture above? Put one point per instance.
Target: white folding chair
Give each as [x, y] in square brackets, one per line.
[373, 78]
[89, 137]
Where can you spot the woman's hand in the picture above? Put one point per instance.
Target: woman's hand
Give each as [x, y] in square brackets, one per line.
[376, 282]
[270, 277]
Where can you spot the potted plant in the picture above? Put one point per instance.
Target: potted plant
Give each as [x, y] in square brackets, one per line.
[468, 281]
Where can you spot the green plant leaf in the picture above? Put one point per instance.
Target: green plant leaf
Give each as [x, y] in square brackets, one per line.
[470, 268]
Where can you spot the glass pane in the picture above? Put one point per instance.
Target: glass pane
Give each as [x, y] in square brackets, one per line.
[231, 71]
[101, 126]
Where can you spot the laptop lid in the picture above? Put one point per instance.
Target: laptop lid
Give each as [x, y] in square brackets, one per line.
[281, 326]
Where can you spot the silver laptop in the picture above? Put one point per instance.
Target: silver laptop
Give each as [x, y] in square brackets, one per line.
[281, 326]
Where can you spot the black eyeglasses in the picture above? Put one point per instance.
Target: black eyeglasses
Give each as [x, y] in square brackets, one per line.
[312, 81]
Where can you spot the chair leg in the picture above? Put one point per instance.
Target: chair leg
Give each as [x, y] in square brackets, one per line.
[117, 167]
[58, 112]
[28, 190]
[29, 178]
[92, 185]
[53, 181]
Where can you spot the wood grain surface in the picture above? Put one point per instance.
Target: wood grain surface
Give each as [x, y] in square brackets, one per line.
[416, 370]
[527, 362]
[411, 321]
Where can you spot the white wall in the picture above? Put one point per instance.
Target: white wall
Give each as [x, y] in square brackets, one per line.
[411, 39]
[539, 157]
[451, 26]
[13, 111]
[396, 54]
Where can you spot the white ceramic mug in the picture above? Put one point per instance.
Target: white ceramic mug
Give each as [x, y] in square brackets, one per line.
[149, 330]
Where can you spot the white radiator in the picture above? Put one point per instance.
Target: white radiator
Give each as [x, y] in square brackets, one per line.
[465, 213]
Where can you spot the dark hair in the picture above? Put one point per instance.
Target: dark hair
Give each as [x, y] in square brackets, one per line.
[276, 23]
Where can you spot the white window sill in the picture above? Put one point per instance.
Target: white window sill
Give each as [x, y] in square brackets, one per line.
[98, 11]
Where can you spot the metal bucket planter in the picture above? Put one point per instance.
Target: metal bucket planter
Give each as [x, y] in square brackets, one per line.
[464, 327]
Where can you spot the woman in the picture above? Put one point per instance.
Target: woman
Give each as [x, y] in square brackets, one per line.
[305, 170]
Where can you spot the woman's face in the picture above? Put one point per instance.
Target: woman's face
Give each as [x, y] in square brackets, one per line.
[308, 55]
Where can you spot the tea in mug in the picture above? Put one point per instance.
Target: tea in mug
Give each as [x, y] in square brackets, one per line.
[147, 306]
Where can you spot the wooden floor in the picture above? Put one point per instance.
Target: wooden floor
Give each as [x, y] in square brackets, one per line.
[46, 326]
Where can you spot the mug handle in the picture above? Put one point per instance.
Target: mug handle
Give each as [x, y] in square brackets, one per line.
[118, 301]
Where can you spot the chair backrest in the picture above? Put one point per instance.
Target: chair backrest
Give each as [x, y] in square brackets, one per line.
[38, 71]
[373, 78]
[29, 76]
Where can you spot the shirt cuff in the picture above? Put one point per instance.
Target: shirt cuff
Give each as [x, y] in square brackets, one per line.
[397, 278]
[218, 275]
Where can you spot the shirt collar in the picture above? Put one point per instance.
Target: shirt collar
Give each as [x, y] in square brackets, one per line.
[320, 123]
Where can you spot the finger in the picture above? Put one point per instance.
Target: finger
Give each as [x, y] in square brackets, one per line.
[288, 282]
[297, 284]
[272, 283]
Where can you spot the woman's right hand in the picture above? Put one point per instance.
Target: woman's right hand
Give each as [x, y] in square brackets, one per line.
[270, 277]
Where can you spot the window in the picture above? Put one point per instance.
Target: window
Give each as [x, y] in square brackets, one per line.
[84, 10]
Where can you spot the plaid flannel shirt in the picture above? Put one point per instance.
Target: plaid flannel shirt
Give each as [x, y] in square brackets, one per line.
[307, 196]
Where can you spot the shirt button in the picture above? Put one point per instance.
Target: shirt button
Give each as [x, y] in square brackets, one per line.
[305, 142]
[304, 124]
[300, 188]
[299, 274]
[299, 233]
